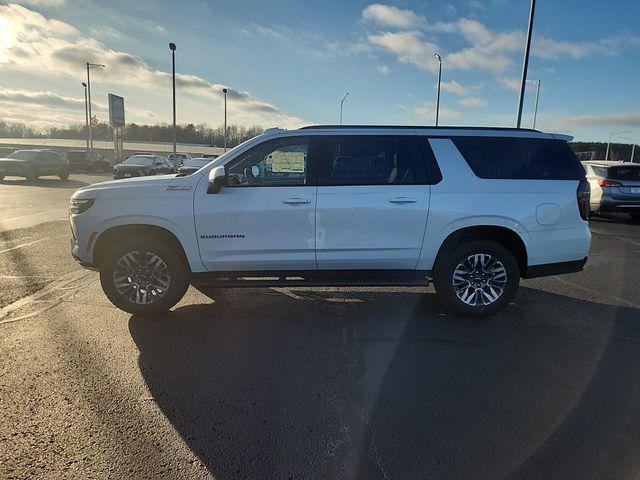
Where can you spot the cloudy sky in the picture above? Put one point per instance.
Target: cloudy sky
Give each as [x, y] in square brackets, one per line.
[288, 63]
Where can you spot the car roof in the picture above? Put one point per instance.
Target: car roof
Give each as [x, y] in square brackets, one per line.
[448, 131]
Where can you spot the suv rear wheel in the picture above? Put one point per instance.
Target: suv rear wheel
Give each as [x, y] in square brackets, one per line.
[63, 173]
[144, 276]
[478, 278]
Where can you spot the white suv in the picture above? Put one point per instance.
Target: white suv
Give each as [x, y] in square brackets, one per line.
[472, 209]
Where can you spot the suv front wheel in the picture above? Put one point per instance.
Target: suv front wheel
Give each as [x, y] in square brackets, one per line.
[477, 279]
[144, 276]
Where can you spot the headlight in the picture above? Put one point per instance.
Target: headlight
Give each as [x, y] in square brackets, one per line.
[80, 205]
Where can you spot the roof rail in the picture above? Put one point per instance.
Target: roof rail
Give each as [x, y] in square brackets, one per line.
[431, 127]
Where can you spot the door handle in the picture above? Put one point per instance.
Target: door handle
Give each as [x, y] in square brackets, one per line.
[296, 200]
[402, 200]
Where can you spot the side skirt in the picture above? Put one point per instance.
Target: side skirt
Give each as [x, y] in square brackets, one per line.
[314, 278]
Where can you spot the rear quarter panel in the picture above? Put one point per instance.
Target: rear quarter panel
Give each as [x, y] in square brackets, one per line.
[544, 213]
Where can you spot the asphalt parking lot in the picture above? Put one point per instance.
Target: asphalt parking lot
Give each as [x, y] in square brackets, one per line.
[311, 383]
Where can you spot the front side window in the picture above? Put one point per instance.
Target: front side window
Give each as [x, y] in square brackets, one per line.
[278, 162]
[371, 160]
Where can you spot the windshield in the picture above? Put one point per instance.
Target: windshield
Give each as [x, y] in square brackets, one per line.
[139, 160]
[24, 155]
[630, 173]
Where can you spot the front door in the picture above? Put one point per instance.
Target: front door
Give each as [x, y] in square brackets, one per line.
[373, 201]
[264, 218]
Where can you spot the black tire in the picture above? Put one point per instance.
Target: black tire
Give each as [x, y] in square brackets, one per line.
[64, 173]
[635, 217]
[177, 270]
[444, 277]
[31, 174]
[1, 177]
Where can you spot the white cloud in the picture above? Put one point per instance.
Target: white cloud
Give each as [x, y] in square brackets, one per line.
[512, 83]
[549, 48]
[394, 17]
[54, 52]
[383, 69]
[475, 4]
[457, 89]
[427, 111]
[622, 119]
[42, 3]
[409, 47]
[473, 102]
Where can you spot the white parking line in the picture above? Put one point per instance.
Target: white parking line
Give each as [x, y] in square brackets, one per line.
[23, 245]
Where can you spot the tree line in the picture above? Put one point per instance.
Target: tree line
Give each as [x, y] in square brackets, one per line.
[187, 133]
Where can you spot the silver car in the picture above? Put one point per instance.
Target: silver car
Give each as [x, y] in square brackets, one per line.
[615, 187]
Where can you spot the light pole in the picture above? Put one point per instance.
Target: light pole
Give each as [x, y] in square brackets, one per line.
[633, 147]
[606, 157]
[86, 112]
[341, 104]
[224, 90]
[525, 62]
[172, 47]
[89, 67]
[438, 93]
[535, 109]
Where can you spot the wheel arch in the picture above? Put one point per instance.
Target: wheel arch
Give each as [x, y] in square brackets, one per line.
[116, 233]
[506, 237]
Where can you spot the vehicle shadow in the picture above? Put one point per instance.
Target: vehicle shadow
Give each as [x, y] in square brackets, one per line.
[613, 218]
[369, 384]
[49, 182]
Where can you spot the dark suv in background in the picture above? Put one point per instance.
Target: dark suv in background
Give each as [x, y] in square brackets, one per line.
[32, 164]
[88, 161]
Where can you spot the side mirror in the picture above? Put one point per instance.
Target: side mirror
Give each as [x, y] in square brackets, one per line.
[217, 179]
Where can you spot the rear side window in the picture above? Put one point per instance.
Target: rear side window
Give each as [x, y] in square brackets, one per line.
[630, 173]
[520, 158]
[599, 171]
[371, 160]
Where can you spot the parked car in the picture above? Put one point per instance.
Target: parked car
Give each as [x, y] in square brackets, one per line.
[193, 165]
[32, 164]
[88, 161]
[142, 166]
[471, 209]
[182, 158]
[615, 187]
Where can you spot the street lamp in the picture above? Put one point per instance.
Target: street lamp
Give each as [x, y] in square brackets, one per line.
[438, 94]
[341, 104]
[525, 62]
[606, 157]
[633, 147]
[535, 109]
[86, 112]
[89, 67]
[172, 47]
[224, 90]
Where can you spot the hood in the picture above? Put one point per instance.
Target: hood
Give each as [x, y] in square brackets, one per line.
[154, 182]
[12, 160]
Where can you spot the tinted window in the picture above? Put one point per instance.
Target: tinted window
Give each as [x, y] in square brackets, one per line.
[139, 160]
[599, 171]
[23, 155]
[631, 173]
[520, 158]
[282, 161]
[371, 160]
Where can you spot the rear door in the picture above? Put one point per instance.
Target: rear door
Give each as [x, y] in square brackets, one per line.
[264, 218]
[373, 201]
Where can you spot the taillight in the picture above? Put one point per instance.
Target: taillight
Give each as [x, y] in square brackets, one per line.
[603, 182]
[584, 199]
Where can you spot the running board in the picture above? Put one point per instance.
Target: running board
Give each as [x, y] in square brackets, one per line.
[364, 278]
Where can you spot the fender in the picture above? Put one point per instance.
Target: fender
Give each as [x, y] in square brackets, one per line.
[186, 239]
[434, 240]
